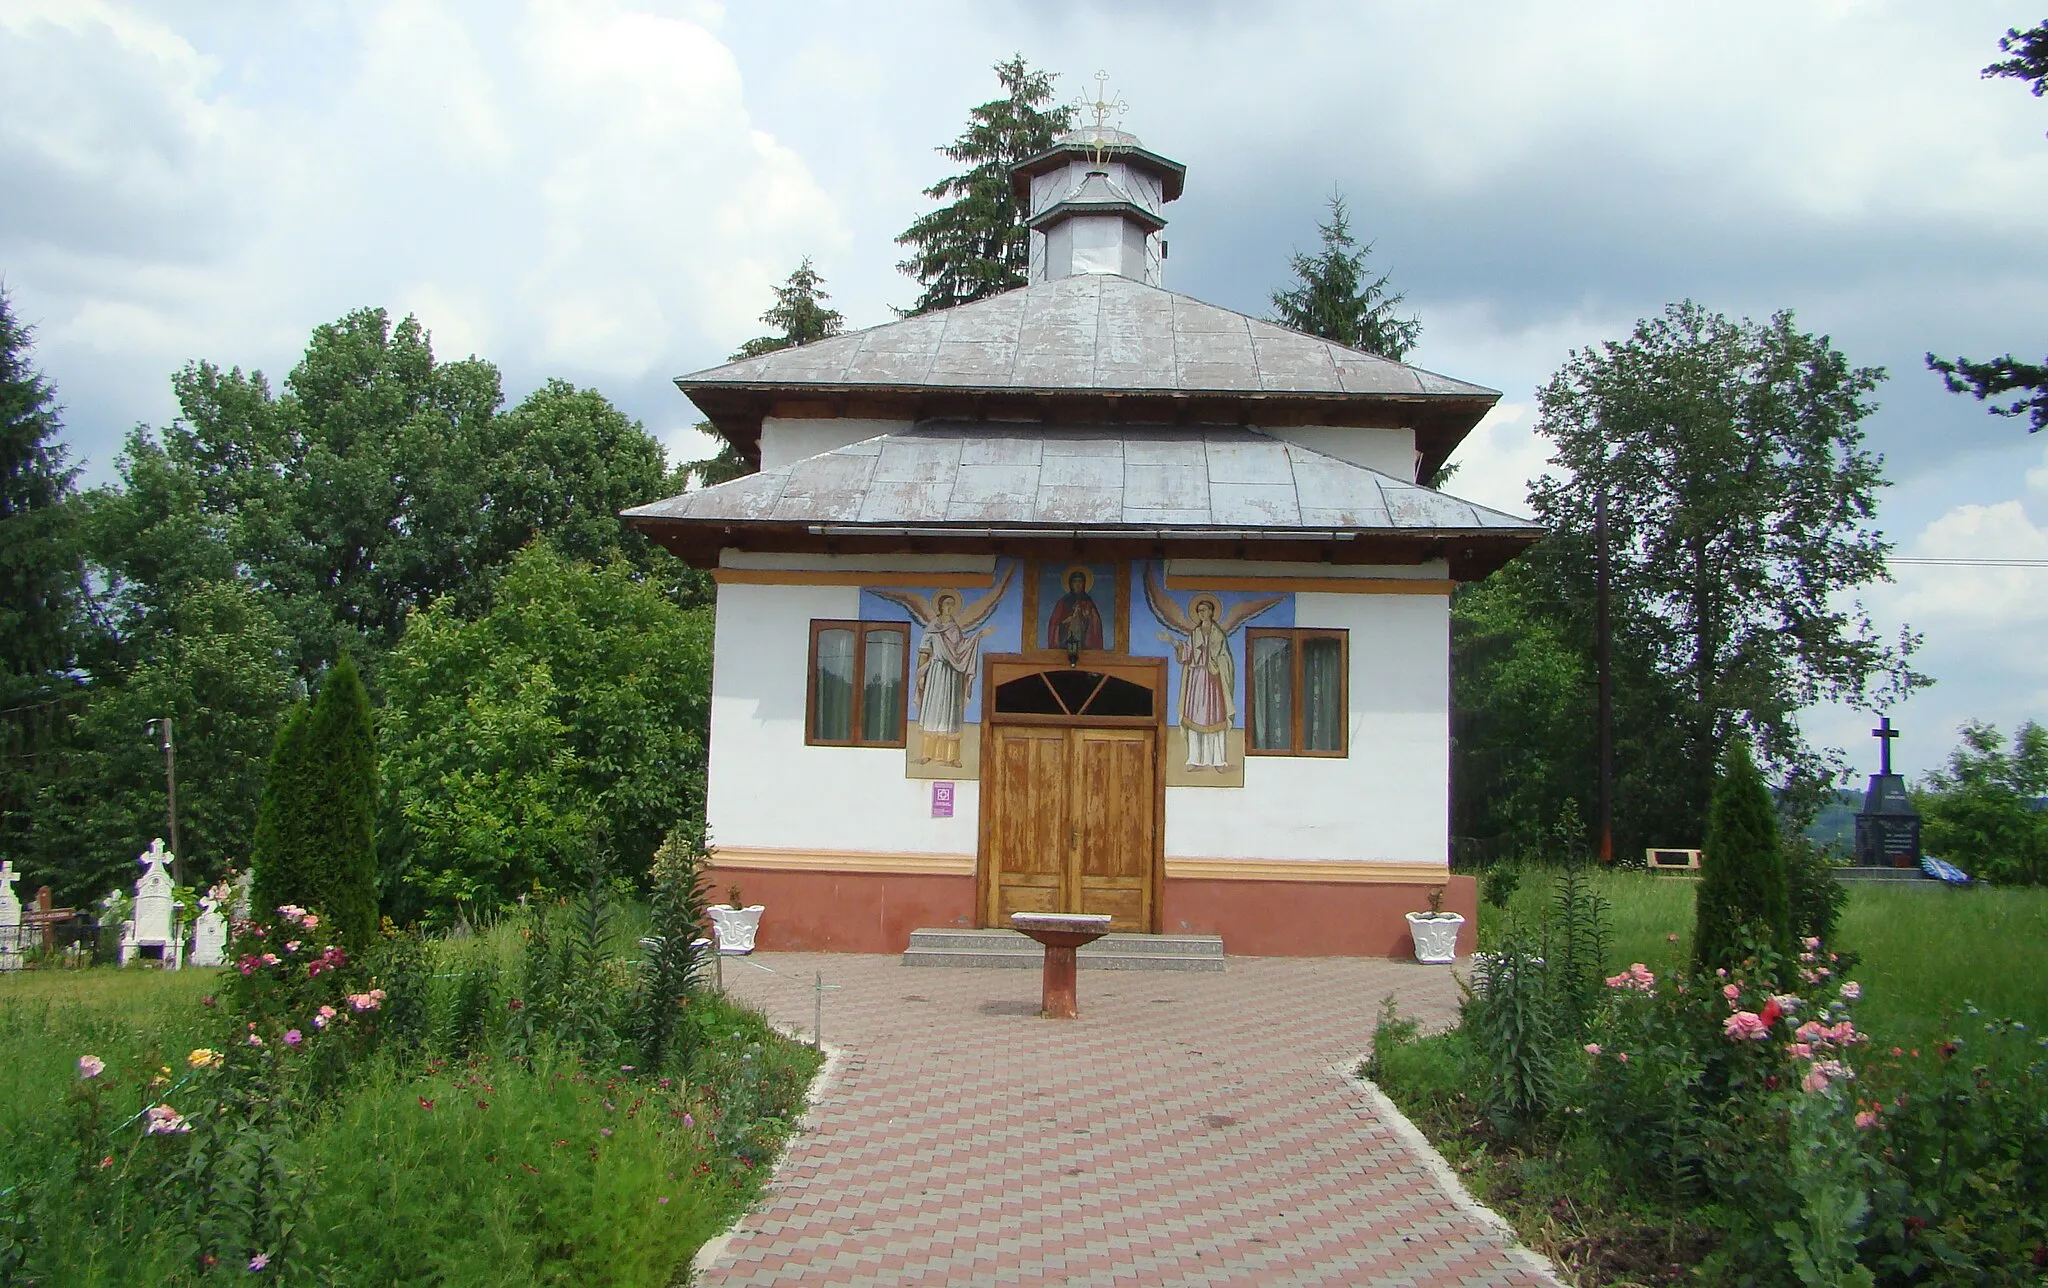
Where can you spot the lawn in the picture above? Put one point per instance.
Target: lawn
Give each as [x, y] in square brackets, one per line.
[1923, 954]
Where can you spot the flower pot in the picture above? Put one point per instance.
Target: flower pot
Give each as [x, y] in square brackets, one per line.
[1435, 935]
[736, 927]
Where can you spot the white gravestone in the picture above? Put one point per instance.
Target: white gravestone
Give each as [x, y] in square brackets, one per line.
[10, 918]
[210, 932]
[150, 926]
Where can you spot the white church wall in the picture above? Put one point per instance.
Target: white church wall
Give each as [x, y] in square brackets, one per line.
[1389, 800]
[766, 788]
[1390, 451]
[784, 440]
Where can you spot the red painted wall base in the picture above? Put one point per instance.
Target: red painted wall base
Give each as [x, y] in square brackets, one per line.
[874, 912]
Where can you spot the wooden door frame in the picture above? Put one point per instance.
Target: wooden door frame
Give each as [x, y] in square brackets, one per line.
[984, 879]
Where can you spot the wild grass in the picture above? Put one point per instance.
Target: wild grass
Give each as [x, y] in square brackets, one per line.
[495, 1169]
[1923, 955]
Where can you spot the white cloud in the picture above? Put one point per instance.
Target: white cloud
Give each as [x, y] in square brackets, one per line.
[1951, 595]
[567, 189]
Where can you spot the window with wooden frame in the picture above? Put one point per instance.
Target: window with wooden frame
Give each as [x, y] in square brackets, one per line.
[858, 678]
[1297, 699]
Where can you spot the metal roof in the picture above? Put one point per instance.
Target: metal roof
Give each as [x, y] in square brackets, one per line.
[1103, 480]
[1094, 333]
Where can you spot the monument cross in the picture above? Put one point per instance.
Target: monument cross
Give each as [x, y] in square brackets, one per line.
[1884, 733]
[1102, 108]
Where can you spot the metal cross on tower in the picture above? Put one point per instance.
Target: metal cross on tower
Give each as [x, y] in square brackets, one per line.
[1102, 108]
[1884, 733]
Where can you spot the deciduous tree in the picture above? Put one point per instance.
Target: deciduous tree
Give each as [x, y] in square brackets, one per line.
[976, 245]
[1984, 810]
[1741, 503]
[579, 699]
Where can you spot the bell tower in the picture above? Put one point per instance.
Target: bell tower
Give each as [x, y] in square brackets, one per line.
[1095, 200]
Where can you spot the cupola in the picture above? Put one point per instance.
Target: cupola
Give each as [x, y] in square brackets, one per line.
[1095, 199]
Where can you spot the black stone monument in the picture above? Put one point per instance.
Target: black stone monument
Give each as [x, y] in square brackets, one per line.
[1887, 831]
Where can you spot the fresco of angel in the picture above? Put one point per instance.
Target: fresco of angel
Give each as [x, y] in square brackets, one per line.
[1208, 672]
[946, 661]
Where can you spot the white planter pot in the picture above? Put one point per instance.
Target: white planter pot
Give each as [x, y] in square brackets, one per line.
[736, 927]
[1435, 935]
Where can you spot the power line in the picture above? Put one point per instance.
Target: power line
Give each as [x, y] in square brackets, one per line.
[1972, 563]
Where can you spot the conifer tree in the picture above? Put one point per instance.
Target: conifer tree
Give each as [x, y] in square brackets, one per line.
[1337, 299]
[1742, 873]
[799, 312]
[316, 842]
[280, 836]
[42, 576]
[978, 246]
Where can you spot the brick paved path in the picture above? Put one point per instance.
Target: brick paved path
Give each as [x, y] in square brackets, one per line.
[1188, 1129]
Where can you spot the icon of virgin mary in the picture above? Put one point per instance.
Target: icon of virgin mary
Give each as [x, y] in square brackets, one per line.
[1076, 621]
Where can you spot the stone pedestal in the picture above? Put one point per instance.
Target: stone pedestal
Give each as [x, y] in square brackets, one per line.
[1061, 933]
[1887, 829]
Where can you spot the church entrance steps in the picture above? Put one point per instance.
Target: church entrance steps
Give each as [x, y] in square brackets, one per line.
[1895, 876]
[1008, 948]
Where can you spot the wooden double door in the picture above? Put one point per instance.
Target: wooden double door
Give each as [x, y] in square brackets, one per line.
[1070, 790]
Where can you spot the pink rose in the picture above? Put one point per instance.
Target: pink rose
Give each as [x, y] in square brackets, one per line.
[1851, 990]
[1592, 1048]
[1746, 1026]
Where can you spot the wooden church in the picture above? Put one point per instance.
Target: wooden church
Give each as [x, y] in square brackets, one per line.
[1086, 597]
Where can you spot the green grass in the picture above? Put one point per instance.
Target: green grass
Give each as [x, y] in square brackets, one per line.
[488, 1172]
[1924, 954]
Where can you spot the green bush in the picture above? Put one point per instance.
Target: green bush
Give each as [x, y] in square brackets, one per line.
[1814, 894]
[316, 844]
[1742, 872]
[1980, 811]
[1510, 1019]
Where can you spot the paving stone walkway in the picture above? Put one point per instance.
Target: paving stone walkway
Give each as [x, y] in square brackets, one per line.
[1188, 1129]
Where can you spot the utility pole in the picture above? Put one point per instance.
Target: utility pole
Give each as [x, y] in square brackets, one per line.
[163, 725]
[1603, 666]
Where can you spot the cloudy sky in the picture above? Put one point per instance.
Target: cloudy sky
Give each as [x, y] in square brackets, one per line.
[606, 192]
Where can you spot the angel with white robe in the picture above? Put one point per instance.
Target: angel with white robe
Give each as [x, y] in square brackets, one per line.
[1208, 672]
[946, 662]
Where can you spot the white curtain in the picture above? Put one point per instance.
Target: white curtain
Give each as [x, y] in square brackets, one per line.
[832, 711]
[881, 698]
[1272, 714]
[1322, 694]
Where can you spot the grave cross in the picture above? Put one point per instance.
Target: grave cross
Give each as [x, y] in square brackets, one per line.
[1884, 733]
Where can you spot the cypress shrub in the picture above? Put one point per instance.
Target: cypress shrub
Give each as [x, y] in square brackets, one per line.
[280, 836]
[1742, 873]
[316, 829]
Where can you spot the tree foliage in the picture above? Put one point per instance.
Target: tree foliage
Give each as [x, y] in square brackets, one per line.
[2027, 61]
[378, 482]
[316, 831]
[1985, 811]
[798, 314]
[578, 703]
[976, 245]
[1742, 873]
[1336, 297]
[1740, 517]
[43, 601]
[218, 664]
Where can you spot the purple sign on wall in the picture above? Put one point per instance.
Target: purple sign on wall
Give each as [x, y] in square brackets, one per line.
[942, 800]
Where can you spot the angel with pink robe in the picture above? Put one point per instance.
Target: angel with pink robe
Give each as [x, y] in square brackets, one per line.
[1208, 671]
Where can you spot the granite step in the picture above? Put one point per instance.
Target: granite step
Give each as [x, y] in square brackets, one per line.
[1890, 876]
[1009, 949]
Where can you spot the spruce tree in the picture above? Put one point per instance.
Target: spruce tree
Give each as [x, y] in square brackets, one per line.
[978, 246]
[1337, 299]
[1742, 873]
[799, 312]
[316, 829]
[42, 577]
